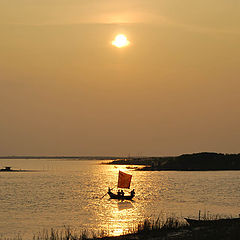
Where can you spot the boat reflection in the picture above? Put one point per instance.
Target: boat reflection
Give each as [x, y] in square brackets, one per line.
[124, 205]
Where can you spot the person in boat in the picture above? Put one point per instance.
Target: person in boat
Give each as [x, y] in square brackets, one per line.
[118, 193]
[109, 189]
[133, 193]
[122, 193]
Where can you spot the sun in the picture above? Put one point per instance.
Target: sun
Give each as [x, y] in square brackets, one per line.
[120, 41]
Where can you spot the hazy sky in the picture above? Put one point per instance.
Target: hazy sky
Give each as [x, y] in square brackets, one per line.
[65, 90]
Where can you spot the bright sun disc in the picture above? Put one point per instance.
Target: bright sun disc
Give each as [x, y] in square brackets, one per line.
[120, 41]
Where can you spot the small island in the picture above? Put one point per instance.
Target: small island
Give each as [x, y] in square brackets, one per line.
[204, 161]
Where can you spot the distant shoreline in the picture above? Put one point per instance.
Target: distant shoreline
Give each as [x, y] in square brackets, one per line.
[205, 161]
[61, 157]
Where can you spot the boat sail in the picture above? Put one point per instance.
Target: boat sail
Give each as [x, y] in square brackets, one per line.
[124, 181]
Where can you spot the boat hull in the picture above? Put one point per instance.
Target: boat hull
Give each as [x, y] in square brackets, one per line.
[194, 222]
[115, 196]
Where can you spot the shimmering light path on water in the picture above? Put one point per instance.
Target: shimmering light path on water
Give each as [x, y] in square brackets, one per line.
[68, 193]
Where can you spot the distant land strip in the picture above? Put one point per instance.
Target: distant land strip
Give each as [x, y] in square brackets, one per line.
[61, 157]
[204, 161]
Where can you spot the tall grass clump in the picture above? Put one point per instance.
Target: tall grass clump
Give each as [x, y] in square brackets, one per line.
[17, 237]
[159, 225]
[64, 234]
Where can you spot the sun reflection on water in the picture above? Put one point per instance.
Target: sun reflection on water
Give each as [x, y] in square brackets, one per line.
[121, 215]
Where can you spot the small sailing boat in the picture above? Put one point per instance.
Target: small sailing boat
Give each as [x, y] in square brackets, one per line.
[124, 181]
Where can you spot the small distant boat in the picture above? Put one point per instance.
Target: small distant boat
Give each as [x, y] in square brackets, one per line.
[124, 181]
[221, 221]
[7, 169]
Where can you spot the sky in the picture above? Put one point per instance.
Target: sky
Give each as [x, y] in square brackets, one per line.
[65, 90]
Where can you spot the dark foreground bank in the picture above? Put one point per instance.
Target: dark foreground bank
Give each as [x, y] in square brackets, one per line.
[187, 233]
[173, 229]
[187, 162]
[170, 229]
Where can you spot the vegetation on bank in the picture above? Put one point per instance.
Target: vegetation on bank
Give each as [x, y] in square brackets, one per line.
[143, 230]
[204, 161]
[169, 229]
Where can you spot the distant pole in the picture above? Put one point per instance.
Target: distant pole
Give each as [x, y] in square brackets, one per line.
[199, 214]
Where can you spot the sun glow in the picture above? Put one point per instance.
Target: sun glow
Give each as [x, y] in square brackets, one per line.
[120, 41]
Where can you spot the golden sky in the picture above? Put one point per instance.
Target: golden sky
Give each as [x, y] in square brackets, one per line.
[65, 90]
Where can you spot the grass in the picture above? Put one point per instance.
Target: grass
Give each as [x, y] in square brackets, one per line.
[64, 234]
[158, 225]
[146, 227]
[168, 229]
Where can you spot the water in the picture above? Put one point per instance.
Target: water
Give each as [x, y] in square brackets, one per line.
[68, 193]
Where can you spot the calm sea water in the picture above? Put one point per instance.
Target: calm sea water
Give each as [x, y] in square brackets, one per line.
[68, 193]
